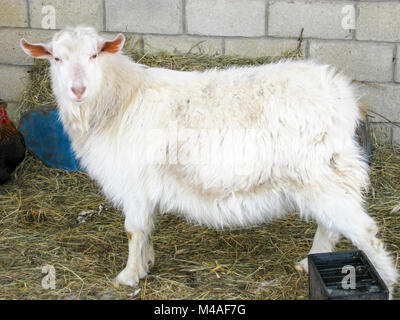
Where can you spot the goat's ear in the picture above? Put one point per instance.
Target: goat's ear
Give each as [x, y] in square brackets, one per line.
[114, 46]
[39, 51]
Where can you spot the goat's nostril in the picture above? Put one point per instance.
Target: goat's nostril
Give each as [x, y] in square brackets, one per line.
[78, 91]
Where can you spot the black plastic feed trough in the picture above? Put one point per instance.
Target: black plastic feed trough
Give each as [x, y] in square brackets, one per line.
[347, 275]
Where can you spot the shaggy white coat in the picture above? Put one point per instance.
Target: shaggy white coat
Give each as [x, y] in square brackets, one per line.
[224, 148]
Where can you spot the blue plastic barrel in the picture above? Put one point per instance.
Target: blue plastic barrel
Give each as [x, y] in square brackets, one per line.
[45, 136]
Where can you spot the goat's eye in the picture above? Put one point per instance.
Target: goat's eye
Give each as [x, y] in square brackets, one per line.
[93, 57]
[58, 60]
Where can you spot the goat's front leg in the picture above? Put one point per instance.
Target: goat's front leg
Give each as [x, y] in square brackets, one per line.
[140, 259]
[141, 253]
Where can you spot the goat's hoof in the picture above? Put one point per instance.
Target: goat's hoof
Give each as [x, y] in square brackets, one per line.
[127, 279]
[302, 266]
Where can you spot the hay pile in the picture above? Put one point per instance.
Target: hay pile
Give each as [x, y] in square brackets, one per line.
[59, 218]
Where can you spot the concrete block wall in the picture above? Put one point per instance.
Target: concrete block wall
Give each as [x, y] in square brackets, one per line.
[359, 37]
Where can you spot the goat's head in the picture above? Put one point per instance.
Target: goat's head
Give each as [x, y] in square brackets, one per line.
[74, 55]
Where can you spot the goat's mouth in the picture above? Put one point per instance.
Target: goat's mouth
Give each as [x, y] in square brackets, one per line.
[79, 99]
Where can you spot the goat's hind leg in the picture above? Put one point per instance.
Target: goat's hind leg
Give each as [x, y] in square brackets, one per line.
[344, 214]
[324, 241]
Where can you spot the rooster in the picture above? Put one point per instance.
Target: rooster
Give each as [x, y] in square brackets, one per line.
[12, 145]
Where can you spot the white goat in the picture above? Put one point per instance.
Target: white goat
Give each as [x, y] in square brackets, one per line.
[223, 148]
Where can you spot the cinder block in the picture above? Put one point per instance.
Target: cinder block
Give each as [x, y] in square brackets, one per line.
[13, 80]
[11, 52]
[384, 99]
[182, 44]
[362, 61]
[380, 133]
[67, 13]
[379, 21]
[397, 71]
[150, 16]
[226, 17]
[259, 47]
[13, 13]
[319, 19]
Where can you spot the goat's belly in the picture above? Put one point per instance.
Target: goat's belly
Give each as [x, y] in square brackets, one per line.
[239, 209]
